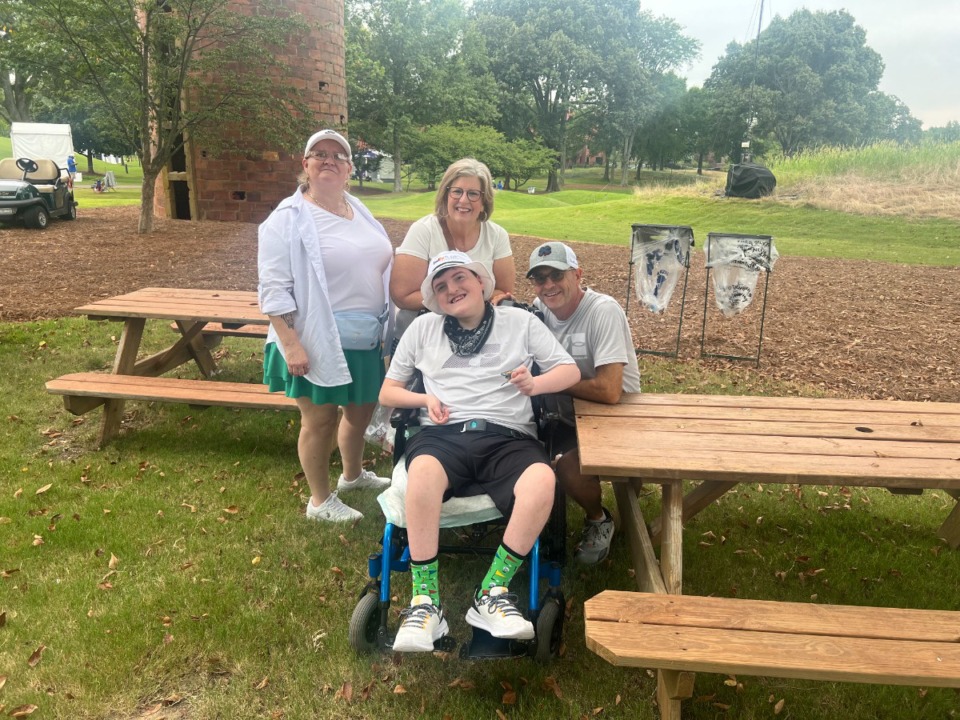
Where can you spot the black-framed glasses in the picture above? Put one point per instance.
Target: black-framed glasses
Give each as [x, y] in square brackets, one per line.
[554, 276]
[321, 156]
[472, 195]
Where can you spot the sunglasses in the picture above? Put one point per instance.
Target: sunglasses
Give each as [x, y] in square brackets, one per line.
[321, 156]
[554, 275]
[472, 195]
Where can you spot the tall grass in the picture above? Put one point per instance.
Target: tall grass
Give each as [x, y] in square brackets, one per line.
[934, 162]
[883, 179]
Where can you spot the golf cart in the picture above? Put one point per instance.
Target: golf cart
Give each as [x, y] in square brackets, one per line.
[34, 191]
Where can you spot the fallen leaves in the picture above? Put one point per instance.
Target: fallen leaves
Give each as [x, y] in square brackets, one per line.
[35, 657]
[42, 490]
[22, 711]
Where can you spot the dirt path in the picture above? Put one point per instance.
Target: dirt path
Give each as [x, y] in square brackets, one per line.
[852, 328]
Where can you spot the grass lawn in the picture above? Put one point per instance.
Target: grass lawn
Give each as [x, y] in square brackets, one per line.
[172, 573]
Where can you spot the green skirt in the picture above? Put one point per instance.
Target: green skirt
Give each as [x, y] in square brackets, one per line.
[366, 370]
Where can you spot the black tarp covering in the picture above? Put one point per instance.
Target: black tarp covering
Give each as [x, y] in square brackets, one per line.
[749, 181]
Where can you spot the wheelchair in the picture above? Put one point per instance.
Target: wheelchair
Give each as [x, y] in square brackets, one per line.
[370, 629]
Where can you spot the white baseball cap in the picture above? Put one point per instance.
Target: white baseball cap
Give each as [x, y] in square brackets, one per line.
[445, 261]
[329, 135]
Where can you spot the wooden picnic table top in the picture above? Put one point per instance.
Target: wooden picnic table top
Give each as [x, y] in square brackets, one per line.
[825, 441]
[185, 304]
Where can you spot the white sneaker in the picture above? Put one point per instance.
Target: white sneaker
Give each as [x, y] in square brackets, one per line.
[422, 626]
[497, 613]
[332, 510]
[366, 479]
[594, 544]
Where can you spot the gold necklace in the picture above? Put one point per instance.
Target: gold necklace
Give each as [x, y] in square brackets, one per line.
[343, 213]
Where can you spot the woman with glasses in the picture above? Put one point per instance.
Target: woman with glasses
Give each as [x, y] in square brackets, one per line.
[460, 221]
[324, 268]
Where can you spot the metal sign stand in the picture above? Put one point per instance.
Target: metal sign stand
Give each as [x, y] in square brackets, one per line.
[767, 258]
[647, 241]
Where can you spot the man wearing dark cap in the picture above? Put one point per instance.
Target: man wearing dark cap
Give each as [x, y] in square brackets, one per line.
[593, 328]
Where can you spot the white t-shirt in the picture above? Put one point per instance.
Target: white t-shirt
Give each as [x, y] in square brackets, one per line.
[596, 334]
[425, 239]
[355, 256]
[473, 387]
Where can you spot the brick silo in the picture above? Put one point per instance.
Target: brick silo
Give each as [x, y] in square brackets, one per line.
[247, 187]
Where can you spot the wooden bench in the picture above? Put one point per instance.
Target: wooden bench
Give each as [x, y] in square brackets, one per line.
[213, 329]
[84, 391]
[680, 635]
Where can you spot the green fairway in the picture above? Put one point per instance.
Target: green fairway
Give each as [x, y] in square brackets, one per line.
[601, 217]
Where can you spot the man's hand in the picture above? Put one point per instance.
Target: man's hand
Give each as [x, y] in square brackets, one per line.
[439, 413]
[522, 380]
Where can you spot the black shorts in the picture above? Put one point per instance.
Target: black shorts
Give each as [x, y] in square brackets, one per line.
[478, 463]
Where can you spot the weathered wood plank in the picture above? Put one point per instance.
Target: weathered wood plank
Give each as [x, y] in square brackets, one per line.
[624, 607]
[789, 655]
[645, 565]
[637, 403]
[164, 389]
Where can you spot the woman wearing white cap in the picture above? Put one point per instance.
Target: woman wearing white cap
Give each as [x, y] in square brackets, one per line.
[460, 221]
[324, 264]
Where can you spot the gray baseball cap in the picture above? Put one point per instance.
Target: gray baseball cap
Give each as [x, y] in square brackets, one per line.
[553, 255]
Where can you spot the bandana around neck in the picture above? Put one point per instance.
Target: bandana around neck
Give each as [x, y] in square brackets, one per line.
[465, 342]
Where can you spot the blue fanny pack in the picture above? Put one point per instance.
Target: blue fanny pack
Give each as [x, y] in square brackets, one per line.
[358, 330]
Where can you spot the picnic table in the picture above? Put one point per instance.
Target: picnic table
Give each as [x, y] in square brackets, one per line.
[716, 442]
[201, 318]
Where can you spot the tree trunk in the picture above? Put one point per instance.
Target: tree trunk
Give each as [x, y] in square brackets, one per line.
[627, 152]
[639, 165]
[147, 192]
[397, 162]
[700, 163]
[89, 162]
[553, 181]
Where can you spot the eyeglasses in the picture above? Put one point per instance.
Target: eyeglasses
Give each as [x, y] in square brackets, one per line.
[554, 276]
[321, 156]
[472, 195]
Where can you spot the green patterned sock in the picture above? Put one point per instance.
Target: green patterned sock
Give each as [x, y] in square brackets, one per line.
[504, 566]
[425, 581]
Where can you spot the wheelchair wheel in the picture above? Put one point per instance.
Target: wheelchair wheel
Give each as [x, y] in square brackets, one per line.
[549, 631]
[365, 623]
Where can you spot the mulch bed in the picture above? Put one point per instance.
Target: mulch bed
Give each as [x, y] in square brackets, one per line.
[850, 328]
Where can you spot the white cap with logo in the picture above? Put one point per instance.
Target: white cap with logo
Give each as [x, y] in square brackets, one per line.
[445, 261]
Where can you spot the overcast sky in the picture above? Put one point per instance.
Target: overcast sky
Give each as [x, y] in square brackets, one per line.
[919, 42]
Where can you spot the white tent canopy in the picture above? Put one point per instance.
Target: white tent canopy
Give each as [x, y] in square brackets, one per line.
[41, 140]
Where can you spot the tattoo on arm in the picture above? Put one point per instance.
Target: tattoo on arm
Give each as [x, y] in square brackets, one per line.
[288, 319]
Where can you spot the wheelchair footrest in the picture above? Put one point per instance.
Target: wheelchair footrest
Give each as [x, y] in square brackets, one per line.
[484, 646]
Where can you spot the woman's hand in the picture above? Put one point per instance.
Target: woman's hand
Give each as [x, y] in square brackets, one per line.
[499, 296]
[297, 362]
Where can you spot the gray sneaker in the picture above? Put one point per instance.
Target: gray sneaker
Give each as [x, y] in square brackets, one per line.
[332, 510]
[595, 542]
[367, 479]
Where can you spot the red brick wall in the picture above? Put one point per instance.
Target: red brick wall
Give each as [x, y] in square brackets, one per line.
[264, 176]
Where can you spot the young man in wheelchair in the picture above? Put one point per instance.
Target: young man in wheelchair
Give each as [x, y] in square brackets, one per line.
[478, 436]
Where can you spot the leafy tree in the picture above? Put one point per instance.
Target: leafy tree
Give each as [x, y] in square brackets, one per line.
[570, 69]
[156, 71]
[889, 119]
[807, 83]
[19, 85]
[545, 59]
[413, 63]
[947, 134]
